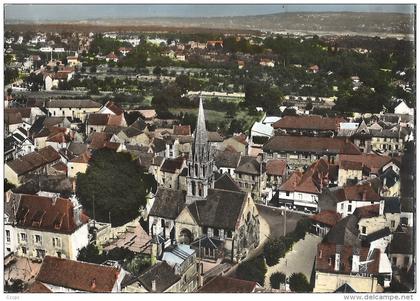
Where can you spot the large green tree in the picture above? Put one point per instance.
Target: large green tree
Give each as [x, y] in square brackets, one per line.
[299, 283]
[114, 186]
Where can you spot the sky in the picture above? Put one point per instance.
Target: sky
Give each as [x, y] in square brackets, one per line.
[68, 12]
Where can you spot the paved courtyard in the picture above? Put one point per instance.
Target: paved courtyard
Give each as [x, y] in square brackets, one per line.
[299, 260]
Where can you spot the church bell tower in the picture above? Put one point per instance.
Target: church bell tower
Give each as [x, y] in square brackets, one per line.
[200, 162]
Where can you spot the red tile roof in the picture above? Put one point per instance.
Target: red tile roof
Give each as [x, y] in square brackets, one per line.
[312, 181]
[116, 109]
[373, 161]
[223, 284]
[350, 165]
[313, 122]
[38, 287]
[357, 193]
[304, 144]
[48, 214]
[78, 275]
[183, 130]
[325, 259]
[276, 167]
[98, 140]
[326, 217]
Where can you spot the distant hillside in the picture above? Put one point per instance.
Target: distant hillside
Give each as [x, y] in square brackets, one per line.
[322, 23]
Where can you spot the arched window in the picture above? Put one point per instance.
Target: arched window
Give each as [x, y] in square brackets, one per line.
[193, 187]
[196, 170]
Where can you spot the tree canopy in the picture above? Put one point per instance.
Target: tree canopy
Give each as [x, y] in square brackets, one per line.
[116, 185]
[299, 283]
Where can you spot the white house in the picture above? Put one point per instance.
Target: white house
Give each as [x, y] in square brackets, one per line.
[49, 226]
[402, 108]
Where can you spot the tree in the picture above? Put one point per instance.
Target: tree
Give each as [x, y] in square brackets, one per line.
[299, 283]
[274, 249]
[91, 254]
[252, 270]
[157, 71]
[35, 82]
[14, 286]
[114, 185]
[276, 279]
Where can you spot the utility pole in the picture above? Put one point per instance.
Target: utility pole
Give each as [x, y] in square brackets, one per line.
[284, 219]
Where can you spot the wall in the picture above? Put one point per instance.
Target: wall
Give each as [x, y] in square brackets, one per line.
[329, 282]
[344, 174]
[342, 207]
[300, 198]
[72, 112]
[73, 168]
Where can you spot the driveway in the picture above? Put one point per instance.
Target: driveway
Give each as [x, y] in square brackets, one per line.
[299, 260]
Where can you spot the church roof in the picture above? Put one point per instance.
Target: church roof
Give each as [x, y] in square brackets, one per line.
[221, 209]
[168, 203]
[200, 134]
[226, 182]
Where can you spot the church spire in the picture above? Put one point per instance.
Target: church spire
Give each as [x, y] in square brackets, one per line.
[200, 134]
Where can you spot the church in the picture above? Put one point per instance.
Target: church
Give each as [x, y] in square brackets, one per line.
[213, 215]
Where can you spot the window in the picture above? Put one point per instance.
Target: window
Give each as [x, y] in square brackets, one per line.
[229, 234]
[363, 229]
[287, 193]
[59, 254]
[300, 196]
[7, 235]
[23, 237]
[40, 253]
[24, 250]
[342, 206]
[216, 232]
[392, 224]
[37, 239]
[348, 208]
[406, 260]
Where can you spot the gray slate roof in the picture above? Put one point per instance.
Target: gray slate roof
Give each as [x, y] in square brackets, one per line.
[168, 203]
[220, 210]
[162, 273]
[345, 232]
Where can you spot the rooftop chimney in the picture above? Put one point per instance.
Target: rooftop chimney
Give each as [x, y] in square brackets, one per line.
[337, 258]
[355, 261]
[93, 284]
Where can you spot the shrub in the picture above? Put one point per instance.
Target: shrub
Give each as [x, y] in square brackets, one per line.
[299, 283]
[276, 279]
[252, 270]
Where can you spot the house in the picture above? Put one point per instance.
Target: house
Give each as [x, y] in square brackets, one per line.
[225, 284]
[351, 197]
[75, 108]
[72, 60]
[182, 258]
[250, 175]
[20, 170]
[323, 221]
[169, 171]
[360, 268]
[227, 161]
[49, 226]
[124, 50]
[309, 125]
[78, 277]
[373, 218]
[148, 115]
[401, 250]
[301, 151]
[111, 57]
[276, 173]
[313, 69]
[238, 143]
[97, 122]
[78, 164]
[402, 108]
[302, 190]
[112, 108]
[260, 133]
[267, 63]
[159, 278]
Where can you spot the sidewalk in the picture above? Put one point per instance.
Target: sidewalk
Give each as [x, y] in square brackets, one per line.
[298, 260]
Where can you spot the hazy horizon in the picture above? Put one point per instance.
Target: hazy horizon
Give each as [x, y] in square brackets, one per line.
[80, 12]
